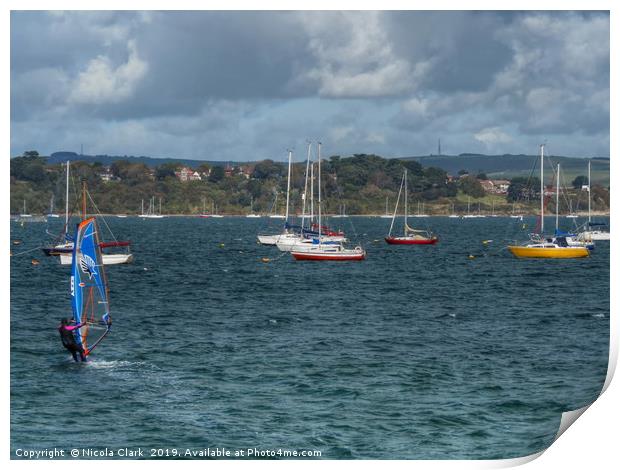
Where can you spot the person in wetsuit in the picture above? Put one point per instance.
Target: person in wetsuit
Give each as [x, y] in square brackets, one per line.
[67, 336]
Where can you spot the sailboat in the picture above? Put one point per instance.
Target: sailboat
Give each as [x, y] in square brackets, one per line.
[25, 214]
[273, 239]
[571, 214]
[411, 236]
[150, 213]
[204, 209]
[420, 214]
[302, 237]
[51, 213]
[571, 239]
[591, 232]
[89, 287]
[540, 247]
[252, 215]
[342, 213]
[454, 215]
[513, 215]
[275, 215]
[214, 213]
[387, 215]
[64, 249]
[468, 215]
[321, 251]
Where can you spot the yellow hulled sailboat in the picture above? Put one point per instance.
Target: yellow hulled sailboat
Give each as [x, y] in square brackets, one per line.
[540, 247]
[548, 250]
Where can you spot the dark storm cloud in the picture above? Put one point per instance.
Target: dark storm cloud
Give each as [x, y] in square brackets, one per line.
[232, 82]
[461, 58]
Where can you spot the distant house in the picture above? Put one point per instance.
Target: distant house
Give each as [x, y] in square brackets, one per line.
[488, 186]
[187, 174]
[107, 175]
[495, 186]
[245, 171]
[501, 186]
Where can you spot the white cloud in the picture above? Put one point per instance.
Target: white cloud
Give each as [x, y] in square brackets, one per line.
[375, 138]
[492, 135]
[416, 106]
[354, 56]
[101, 83]
[338, 134]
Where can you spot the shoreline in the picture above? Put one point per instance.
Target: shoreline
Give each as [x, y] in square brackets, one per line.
[331, 216]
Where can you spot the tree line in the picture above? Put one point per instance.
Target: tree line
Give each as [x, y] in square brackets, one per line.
[361, 183]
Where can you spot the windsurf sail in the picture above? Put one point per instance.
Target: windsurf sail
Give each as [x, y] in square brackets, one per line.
[89, 287]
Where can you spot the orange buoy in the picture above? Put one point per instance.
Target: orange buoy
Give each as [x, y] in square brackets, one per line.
[265, 260]
[35, 262]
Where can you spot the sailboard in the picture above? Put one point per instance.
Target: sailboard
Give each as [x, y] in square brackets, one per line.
[89, 287]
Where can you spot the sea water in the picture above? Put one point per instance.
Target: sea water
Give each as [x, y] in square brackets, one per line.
[452, 351]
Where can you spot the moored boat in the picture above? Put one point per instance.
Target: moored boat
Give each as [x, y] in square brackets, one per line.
[411, 236]
[330, 253]
[540, 247]
[319, 250]
[64, 249]
[548, 250]
[411, 240]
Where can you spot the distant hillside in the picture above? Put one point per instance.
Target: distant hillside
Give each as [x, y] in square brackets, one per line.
[151, 162]
[494, 166]
[509, 166]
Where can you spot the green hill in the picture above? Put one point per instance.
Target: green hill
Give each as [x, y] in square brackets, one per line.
[509, 166]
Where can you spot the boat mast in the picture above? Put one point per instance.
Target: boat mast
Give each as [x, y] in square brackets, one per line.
[542, 188]
[288, 184]
[589, 195]
[557, 201]
[67, 201]
[319, 169]
[303, 210]
[311, 194]
[83, 199]
[405, 176]
[396, 206]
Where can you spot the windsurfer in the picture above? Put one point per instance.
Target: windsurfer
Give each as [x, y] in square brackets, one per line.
[67, 336]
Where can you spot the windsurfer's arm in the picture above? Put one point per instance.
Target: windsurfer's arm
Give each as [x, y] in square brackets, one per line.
[75, 327]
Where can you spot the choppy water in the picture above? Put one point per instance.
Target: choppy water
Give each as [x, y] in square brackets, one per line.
[416, 353]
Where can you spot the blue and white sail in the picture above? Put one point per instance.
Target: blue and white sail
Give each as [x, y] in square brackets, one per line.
[89, 287]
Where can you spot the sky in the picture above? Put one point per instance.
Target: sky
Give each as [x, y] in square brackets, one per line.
[242, 86]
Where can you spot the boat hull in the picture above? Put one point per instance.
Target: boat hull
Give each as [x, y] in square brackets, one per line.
[273, 240]
[559, 252]
[410, 241]
[108, 259]
[56, 251]
[336, 256]
[304, 244]
[596, 235]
